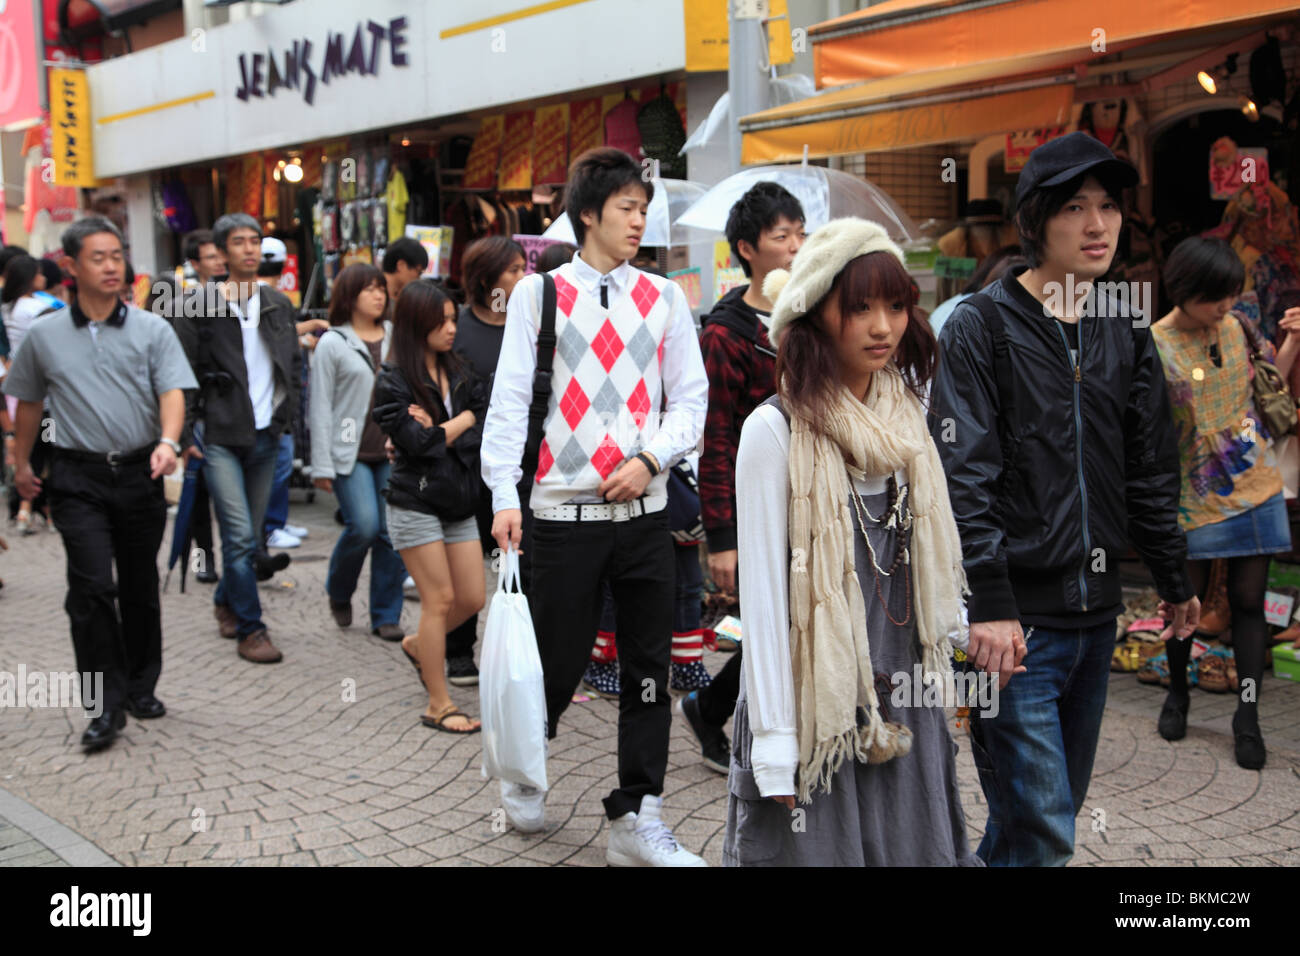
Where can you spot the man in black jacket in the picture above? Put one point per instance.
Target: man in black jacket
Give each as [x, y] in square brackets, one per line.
[1050, 414]
[244, 349]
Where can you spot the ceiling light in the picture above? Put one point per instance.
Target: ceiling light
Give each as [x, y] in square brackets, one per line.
[1207, 82]
[406, 141]
[1249, 109]
[293, 173]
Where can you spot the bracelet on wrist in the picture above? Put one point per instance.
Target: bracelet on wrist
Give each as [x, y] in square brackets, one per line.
[648, 462]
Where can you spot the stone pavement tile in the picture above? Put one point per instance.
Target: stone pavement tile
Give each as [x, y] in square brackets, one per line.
[336, 855]
[452, 844]
[587, 856]
[377, 846]
[242, 849]
[301, 858]
[410, 857]
[417, 834]
[1170, 851]
[489, 855]
[326, 837]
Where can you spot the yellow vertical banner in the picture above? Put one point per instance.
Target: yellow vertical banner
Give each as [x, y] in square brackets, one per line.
[485, 154]
[550, 143]
[517, 152]
[707, 34]
[74, 163]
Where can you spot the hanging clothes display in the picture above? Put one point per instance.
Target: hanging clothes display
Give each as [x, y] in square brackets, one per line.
[396, 199]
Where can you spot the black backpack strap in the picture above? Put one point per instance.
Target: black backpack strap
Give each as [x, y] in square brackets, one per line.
[775, 402]
[993, 321]
[541, 380]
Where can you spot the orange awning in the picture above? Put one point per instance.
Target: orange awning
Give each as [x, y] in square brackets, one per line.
[909, 36]
[900, 113]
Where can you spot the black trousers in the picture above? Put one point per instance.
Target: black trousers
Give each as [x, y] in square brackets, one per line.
[718, 700]
[570, 560]
[112, 516]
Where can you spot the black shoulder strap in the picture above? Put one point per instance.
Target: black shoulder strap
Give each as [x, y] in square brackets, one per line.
[775, 402]
[992, 317]
[541, 379]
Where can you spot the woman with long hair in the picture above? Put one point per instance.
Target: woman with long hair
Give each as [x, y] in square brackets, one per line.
[347, 449]
[431, 404]
[23, 280]
[1231, 504]
[851, 579]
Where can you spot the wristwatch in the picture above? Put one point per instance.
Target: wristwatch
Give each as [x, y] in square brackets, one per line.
[173, 445]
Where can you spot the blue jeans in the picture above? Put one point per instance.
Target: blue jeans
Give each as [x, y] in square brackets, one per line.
[365, 530]
[1035, 757]
[239, 484]
[277, 507]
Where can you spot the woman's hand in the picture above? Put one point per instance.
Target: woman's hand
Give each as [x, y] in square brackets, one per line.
[324, 484]
[420, 415]
[787, 800]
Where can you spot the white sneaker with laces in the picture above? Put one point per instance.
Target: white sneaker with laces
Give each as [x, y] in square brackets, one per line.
[525, 807]
[297, 531]
[643, 839]
[282, 539]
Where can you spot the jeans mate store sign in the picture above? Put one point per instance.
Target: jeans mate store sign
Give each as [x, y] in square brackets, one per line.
[299, 66]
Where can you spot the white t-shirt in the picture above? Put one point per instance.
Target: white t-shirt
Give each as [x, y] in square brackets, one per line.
[257, 358]
[19, 319]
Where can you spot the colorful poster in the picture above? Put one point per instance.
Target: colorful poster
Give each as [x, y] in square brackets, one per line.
[726, 274]
[517, 152]
[74, 163]
[1019, 145]
[707, 33]
[20, 100]
[689, 281]
[485, 154]
[288, 283]
[533, 247]
[551, 144]
[586, 126]
[437, 243]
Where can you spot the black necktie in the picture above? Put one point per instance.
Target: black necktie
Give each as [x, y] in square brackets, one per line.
[604, 294]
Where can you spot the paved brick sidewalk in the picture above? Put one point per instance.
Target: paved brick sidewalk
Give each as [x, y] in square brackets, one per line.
[272, 766]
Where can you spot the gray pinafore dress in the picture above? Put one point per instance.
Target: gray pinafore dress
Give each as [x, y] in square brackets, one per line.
[904, 812]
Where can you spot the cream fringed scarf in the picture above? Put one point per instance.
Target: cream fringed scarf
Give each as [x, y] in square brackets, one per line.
[831, 659]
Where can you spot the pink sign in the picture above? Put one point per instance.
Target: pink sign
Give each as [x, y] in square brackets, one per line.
[533, 247]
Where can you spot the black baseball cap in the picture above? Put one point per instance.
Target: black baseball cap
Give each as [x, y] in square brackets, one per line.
[1062, 159]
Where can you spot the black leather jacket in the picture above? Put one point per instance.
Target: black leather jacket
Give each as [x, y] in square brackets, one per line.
[429, 475]
[1094, 462]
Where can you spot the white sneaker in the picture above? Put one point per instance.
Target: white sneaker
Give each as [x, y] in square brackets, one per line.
[282, 539]
[297, 531]
[525, 807]
[409, 586]
[643, 839]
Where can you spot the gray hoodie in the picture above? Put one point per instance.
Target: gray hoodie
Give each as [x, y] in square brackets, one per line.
[342, 381]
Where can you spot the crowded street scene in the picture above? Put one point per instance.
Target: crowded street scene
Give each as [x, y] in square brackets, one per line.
[651, 433]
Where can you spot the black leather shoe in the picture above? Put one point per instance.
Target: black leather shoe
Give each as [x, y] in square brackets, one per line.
[1173, 718]
[144, 706]
[207, 576]
[267, 564]
[103, 730]
[1248, 743]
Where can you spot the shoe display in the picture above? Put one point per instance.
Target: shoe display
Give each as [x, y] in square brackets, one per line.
[144, 706]
[342, 611]
[462, 671]
[525, 807]
[388, 632]
[257, 647]
[227, 622]
[280, 538]
[715, 749]
[688, 676]
[643, 839]
[103, 730]
[602, 679]
[1173, 718]
[298, 531]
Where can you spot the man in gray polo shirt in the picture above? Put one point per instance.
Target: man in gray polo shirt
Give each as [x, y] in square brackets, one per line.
[114, 376]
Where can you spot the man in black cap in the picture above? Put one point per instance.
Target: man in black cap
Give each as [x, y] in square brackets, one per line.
[1050, 414]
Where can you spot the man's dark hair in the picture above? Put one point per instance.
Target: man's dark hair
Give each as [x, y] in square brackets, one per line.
[195, 241]
[7, 253]
[1043, 203]
[20, 275]
[994, 267]
[227, 224]
[53, 274]
[1203, 270]
[595, 176]
[757, 210]
[554, 256]
[77, 233]
[484, 261]
[406, 250]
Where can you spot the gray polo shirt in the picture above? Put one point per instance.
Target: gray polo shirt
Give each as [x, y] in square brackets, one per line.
[102, 383]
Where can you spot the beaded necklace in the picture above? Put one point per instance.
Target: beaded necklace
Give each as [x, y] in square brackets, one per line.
[897, 516]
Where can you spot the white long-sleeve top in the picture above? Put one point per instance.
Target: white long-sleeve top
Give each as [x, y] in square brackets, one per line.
[685, 384]
[762, 528]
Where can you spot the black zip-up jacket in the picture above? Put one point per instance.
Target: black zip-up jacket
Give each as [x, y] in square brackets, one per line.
[429, 475]
[1094, 463]
[222, 400]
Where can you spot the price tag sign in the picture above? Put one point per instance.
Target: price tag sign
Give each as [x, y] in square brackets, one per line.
[1278, 608]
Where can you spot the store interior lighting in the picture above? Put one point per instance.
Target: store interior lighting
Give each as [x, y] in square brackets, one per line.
[1212, 80]
[293, 172]
[1249, 109]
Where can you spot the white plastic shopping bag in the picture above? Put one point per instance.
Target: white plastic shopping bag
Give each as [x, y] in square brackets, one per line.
[512, 697]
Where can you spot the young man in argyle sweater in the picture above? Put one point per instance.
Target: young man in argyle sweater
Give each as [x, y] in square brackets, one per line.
[625, 346]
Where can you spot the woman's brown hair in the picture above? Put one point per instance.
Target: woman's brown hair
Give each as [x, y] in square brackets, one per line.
[349, 284]
[807, 369]
[485, 259]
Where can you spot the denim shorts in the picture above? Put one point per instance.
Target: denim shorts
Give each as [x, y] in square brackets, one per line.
[1261, 530]
[410, 529]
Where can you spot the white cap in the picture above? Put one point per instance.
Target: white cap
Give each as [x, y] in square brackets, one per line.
[273, 250]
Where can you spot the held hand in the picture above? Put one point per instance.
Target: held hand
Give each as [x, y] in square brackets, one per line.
[390, 451]
[786, 800]
[998, 647]
[508, 528]
[162, 461]
[29, 486]
[420, 415]
[324, 484]
[627, 483]
[1183, 618]
[722, 568]
[192, 453]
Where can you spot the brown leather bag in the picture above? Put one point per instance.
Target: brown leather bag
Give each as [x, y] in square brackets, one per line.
[1273, 400]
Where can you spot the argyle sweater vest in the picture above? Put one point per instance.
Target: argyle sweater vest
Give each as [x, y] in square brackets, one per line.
[606, 389]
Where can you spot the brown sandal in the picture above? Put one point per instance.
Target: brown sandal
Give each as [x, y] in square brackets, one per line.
[440, 722]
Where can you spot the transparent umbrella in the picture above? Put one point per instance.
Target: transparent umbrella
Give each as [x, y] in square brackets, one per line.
[672, 198]
[825, 194]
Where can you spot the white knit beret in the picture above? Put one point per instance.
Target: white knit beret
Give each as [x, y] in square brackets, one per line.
[828, 250]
